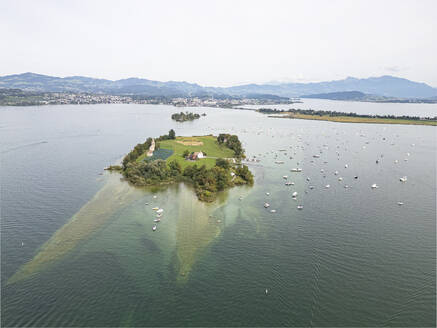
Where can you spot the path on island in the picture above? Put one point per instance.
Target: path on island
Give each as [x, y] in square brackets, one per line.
[232, 159]
[151, 149]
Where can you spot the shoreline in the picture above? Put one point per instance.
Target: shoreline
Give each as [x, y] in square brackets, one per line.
[353, 119]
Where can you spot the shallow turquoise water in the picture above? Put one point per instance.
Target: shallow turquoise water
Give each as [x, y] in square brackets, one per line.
[351, 257]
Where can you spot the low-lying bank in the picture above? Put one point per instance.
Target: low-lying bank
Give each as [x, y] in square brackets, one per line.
[333, 116]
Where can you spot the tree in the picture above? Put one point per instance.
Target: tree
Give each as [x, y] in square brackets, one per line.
[245, 174]
[172, 134]
[186, 153]
[175, 167]
[221, 162]
[222, 177]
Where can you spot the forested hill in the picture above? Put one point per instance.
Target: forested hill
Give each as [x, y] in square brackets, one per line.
[388, 86]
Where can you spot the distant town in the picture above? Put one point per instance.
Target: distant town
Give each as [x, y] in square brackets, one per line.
[18, 97]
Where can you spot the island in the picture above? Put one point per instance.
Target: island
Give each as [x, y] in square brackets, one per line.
[333, 116]
[210, 164]
[187, 116]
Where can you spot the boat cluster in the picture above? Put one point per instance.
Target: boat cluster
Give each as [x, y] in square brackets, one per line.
[159, 212]
[280, 157]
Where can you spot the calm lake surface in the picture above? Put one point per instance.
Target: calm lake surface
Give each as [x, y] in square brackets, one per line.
[360, 107]
[77, 247]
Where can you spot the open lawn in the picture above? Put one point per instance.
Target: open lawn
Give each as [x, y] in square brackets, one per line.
[206, 144]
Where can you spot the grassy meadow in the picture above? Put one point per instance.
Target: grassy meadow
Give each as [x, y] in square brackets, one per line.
[205, 144]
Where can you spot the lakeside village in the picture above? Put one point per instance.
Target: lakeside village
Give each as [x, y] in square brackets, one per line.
[17, 97]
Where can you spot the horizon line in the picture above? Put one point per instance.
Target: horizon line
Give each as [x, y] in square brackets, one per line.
[271, 82]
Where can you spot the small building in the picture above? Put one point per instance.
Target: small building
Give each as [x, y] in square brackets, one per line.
[196, 155]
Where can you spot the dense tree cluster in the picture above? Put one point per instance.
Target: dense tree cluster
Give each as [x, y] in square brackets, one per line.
[137, 152]
[182, 117]
[207, 182]
[154, 172]
[171, 135]
[232, 142]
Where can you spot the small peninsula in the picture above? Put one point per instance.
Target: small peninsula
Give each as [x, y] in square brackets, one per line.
[187, 116]
[333, 116]
[209, 163]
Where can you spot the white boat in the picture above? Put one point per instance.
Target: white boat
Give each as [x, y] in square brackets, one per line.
[403, 179]
[154, 227]
[267, 193]
[374, 186]
[340, 179]
[311, 187]
[300, 207]
[345, 166]
[157, 220]
[400, 203]
[336, 173]
[160, 211]
[296, 170]
[272, 211]
[308, 179]
[266, 205]
[328, 186]
[285, 177]
[316, 156]
[288, 183]
[294, 195]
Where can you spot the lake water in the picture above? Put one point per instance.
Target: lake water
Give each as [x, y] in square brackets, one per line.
[77, 246]
[367, 108]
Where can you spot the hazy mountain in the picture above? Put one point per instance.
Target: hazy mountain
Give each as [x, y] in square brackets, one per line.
[38, 82]
[342, 95]
[387, 86]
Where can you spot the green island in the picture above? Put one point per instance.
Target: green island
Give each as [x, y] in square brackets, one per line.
[210, 164]
[187, 116]
[333, 116]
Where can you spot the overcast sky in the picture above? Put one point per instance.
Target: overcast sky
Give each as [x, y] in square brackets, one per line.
[221, 43]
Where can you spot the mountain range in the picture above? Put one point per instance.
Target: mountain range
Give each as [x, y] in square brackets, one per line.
[386, 86]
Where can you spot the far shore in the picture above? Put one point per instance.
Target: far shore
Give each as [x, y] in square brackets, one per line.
[354, 119]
